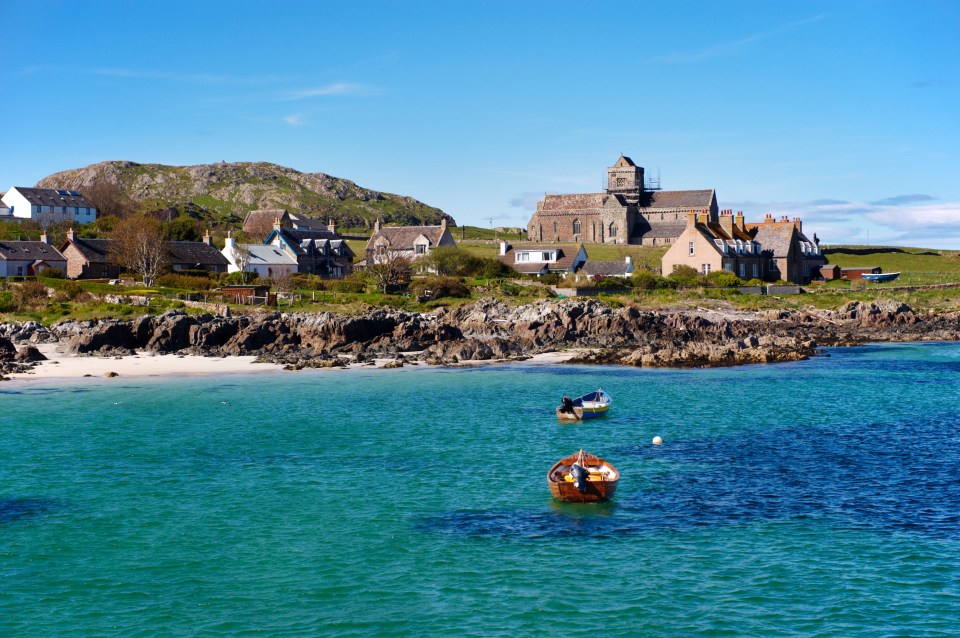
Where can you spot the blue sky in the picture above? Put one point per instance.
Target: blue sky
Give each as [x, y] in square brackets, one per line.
[842, 113]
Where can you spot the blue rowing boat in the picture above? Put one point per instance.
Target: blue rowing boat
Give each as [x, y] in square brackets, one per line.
[880, 276]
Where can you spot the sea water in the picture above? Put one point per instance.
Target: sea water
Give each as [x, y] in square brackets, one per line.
[817, 498]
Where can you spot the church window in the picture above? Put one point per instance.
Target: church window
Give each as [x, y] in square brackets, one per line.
[613, 230]
[576, 227]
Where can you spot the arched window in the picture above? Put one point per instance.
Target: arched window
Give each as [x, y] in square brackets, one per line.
[613, 230]
[576, 227]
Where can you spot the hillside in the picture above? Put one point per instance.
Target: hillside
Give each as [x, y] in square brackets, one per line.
[224, 193]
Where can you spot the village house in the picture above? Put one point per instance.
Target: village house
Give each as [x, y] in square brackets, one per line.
[88, 258]
[260, 223]
[29, 258]
[196, 255]
[317, 251]
[543, 259]
[49, 204]
[709, 244]
[409, 242]
[629, 211]
[595, 269]
[264, 260]
[792, 256]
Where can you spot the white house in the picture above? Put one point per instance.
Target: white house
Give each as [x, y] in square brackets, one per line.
[542, 259]
[265, 260]
[49, 204]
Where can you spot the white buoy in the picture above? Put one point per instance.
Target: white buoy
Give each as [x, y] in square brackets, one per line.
[657, 440]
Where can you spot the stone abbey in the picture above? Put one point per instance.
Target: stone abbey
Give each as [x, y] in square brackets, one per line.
[627, 212]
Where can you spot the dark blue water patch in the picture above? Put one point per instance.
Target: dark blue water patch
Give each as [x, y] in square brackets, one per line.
[881, 476]
[16, 509]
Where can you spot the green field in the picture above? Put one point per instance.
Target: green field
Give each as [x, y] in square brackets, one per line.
[917, 266]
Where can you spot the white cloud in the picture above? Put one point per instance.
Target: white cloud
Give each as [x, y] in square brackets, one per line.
[295, 119]
[337, 88]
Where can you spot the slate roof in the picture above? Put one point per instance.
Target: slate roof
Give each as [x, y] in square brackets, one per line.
[195, 253]
[29, 251]
[573, 202]
[261, 254]
[673, 200]
[261, 219]
[93, 250]
[665, 230]
[605, 268]
[774, 237]
[53, 197]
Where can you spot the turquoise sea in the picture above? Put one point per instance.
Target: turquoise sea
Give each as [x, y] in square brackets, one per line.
[818, 498]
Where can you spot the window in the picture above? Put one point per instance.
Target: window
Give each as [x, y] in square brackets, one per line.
[691, 249]
[576, 227]
[613, 230]
[728, 266]
[523, 256]
[554, 226]
[773, 264]
[621, 182]
[743, 270]
[547, 256]
[756, 268]
[19, 271]
[705, 269]
[420, 249]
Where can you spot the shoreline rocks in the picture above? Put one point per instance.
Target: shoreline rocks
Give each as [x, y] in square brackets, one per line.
[489, 329]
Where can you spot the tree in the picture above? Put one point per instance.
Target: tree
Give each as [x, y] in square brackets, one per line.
[138, 246]
[391, 268]
[109, 199]
[446, 261]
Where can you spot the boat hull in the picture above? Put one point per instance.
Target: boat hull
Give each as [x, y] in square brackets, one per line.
[886, 276]
[599, 487]
[589, 406]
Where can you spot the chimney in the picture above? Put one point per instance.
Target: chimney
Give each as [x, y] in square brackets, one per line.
[443, 224]
[228, 242]
[70, 234]
[331, 226]
[277, 223]
[768, 218]
[376, 226]
[43, 237]
[726, 222]
[691, 219]
[504, 247]
[816, 239]
[628, 260]
[206, 238]
[739, 221]
[798, 224]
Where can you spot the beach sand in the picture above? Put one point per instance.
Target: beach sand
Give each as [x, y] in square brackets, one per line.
[60, 365]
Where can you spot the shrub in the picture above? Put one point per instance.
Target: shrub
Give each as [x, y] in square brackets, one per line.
[684, 277]
[606, 283]
[69, 291]
[304, 281]
[237, 278]
[648, 280]
[6, 301]
[354, 285]
[51, 273]
[438, 287]
[29, 294]
[487, 267]
[723, 279]
[755, 282]
[184, 282]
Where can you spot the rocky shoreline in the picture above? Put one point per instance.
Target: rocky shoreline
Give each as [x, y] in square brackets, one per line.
[489, 330]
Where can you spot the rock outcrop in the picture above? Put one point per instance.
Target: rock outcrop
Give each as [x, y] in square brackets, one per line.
[492, 330]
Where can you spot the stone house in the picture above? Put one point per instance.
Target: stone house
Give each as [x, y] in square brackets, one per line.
[724, 244]
[49, 203]
[627, 212]
[410, 242]
[793, 257]
[543, 259]
[88, 258]
[594, 268]
[29, 258]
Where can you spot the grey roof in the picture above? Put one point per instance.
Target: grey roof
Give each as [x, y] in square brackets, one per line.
[300, 239]
[261, 254]
[566, 254]
[29, 251]
[54, 197]
[607, 268]
[93, 250]
[664, 230]
[195, 253]
[264, 219]
[674, 200]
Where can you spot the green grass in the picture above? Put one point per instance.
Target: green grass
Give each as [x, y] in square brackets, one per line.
[917, 266]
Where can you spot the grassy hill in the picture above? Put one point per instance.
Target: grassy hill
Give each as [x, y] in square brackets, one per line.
[222, 194]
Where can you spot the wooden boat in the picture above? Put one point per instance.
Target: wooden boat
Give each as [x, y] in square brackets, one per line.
[583, 478]
[588, 406]
[880, 276]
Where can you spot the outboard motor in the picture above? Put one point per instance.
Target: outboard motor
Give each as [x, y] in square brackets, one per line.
[580, 475]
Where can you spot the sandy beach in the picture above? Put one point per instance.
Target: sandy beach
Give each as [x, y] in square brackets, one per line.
[68, 366]
[60, 365]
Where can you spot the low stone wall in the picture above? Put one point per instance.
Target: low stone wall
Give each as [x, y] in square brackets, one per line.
[589, 292]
